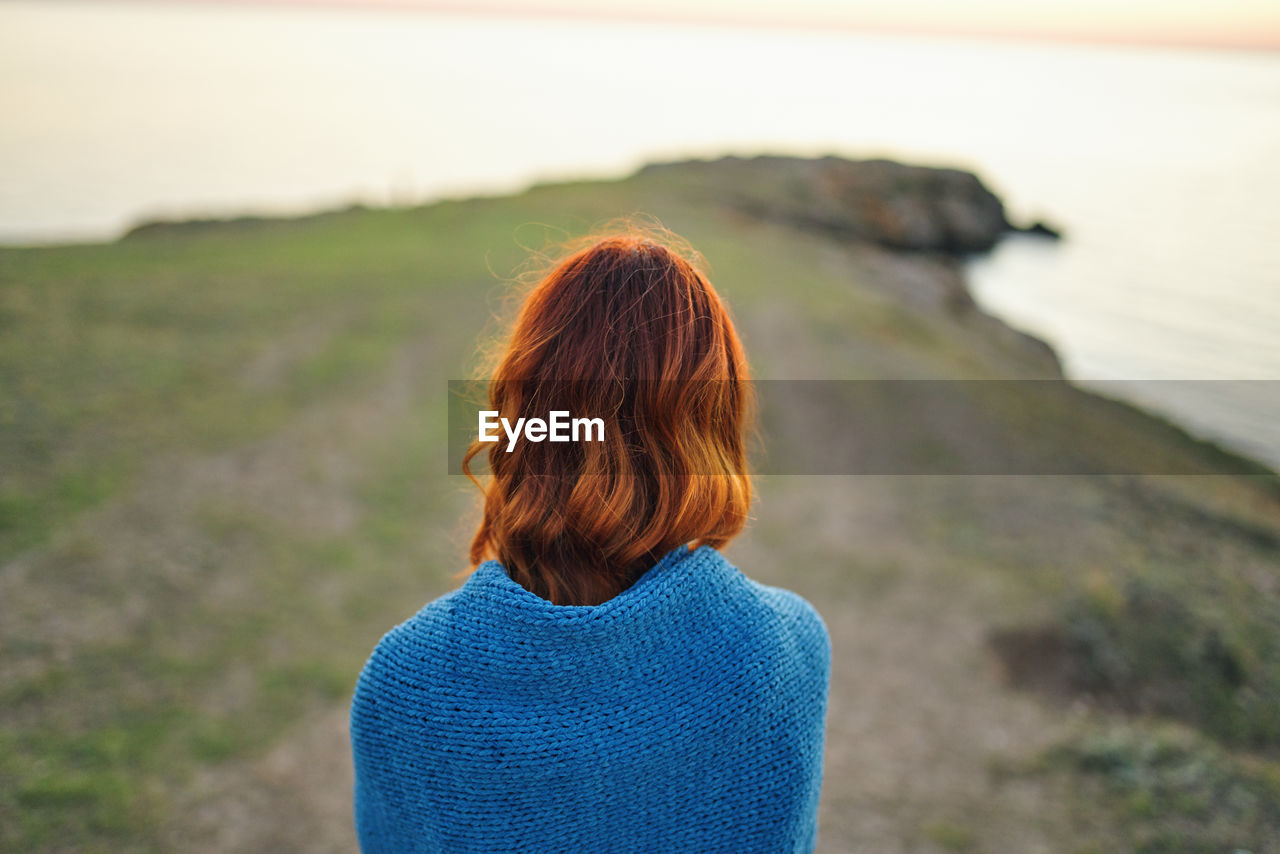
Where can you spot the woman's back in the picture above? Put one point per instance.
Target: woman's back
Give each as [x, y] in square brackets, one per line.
[684, 714]
[605, 681]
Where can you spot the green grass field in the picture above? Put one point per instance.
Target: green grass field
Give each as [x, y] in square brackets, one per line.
[223, 476]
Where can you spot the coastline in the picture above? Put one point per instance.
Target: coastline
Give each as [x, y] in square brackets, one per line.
[925, 215]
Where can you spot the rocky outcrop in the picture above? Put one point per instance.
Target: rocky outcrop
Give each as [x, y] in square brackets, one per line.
[895, 205]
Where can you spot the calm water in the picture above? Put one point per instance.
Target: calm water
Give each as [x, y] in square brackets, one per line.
[1162, 166]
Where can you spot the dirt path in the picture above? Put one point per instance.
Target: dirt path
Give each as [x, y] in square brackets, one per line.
[918, 715]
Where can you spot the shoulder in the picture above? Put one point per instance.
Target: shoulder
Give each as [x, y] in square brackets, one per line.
[800, 617]
[429, 619]
[407, 655]
[799, 612]
[790, 617]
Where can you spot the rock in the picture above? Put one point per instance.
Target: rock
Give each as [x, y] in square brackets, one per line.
[1039, 228]
[915, 208]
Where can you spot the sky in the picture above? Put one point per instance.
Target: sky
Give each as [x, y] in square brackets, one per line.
[1251, 24]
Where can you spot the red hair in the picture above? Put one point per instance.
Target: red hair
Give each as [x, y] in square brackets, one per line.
[626, 327]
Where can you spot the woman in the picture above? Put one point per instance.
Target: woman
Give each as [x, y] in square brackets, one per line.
[604, 680]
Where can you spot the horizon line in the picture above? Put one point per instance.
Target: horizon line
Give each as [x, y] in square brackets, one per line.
[1265, 42]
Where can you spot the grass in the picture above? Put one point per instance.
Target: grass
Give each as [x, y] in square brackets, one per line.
[1149, 649]
[950, 835]
[1171, 789]
[150, 365]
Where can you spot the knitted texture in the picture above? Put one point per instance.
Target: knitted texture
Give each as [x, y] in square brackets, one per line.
[686, 714]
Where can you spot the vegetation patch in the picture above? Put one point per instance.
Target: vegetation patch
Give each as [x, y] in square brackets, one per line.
[1172, 789]
[1142, 648]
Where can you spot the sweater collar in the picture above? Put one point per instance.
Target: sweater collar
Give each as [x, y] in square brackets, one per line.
[660, 582]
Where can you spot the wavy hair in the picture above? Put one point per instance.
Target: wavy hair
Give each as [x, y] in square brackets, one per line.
[625, 326]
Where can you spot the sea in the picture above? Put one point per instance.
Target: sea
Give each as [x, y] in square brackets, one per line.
[1160, 166]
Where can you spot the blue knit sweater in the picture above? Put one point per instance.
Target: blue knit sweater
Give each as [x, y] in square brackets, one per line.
[686, 714]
